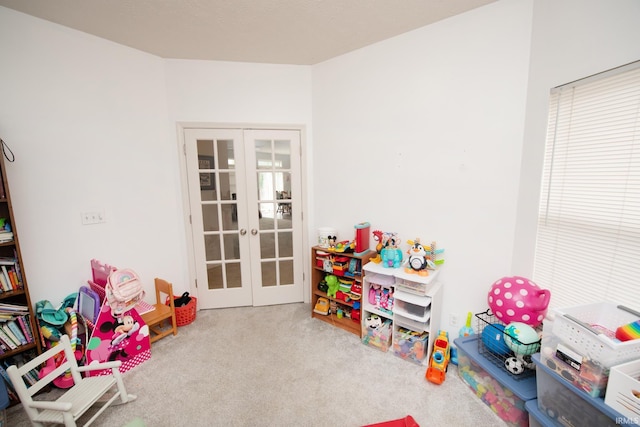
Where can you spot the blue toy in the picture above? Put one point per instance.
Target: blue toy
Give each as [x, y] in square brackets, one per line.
[391, 257]
[493, 339]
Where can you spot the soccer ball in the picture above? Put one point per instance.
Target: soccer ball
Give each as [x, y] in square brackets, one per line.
[514, 365]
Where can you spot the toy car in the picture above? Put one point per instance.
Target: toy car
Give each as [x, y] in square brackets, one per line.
[322, 306]
[439, 363]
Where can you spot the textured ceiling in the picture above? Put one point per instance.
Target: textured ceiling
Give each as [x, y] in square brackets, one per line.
[270, 31]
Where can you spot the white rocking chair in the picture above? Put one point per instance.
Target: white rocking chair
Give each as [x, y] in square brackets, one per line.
[78, 399]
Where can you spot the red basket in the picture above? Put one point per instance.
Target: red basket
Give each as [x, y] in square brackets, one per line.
[187, 313]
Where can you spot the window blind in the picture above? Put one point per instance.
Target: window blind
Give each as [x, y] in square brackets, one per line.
[588, 237]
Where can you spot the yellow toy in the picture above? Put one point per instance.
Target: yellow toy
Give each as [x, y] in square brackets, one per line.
[439, 363]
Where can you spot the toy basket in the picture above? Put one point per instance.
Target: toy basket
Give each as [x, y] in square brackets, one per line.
[187, 313]
[485, 320]
[590, 329]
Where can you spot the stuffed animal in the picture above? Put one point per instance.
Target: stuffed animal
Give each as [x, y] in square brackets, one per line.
[333, 285]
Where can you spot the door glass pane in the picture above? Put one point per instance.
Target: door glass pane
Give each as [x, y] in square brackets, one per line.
[286, 272]
[228, 213]
[206, 168]
[214, 277]
[226, 159]
[212, 247]
[267, 211]
[231, 246]
[268, 273]
[282, 150]
[267, 245]
[266, 189]
[285, 244]
[264, 152]
[210, 218]
[227, 185]
[234, 275]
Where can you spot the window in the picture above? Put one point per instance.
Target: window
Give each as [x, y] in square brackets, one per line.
[588, 238]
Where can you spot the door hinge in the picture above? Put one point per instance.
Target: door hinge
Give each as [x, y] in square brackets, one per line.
[196, 283]
[190, 219]
[184, 149]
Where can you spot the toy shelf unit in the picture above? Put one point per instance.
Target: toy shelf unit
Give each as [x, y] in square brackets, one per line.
[414, 310]
[19, 338]
[341, 307]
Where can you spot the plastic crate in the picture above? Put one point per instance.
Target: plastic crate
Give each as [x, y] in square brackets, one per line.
[590, 330]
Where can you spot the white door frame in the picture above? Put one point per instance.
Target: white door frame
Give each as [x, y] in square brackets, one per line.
[186, 207]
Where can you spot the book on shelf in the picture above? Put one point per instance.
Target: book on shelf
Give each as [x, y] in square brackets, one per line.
[5, 306]
[6, 340]
[17, 331]
[18, 270]
[5, 274]
[7, 330]
[6, 236]
[13, 278]
[23, 321]
[7, 260]
[4, 283]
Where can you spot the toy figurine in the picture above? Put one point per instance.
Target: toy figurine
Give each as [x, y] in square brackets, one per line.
[333, 285]
[417, 261]
[391, 257]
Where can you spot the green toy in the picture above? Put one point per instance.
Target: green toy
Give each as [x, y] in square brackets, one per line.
[333, 283]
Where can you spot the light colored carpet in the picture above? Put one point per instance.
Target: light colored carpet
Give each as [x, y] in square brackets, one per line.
[276, 366]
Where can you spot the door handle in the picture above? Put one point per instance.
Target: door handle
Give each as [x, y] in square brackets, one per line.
[254, 231]
[243, 231]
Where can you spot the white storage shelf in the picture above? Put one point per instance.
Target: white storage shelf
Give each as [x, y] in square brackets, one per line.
[416, 300]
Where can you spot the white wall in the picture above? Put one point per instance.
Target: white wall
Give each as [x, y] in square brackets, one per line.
[571, 39]
[91, 128]
[87, 121]
[421, 134]
[435, 134]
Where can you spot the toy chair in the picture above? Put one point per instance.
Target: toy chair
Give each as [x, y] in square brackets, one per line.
[84, 393]
[161, 312]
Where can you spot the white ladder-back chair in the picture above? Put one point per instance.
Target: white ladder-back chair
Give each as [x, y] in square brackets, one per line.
[85, 392]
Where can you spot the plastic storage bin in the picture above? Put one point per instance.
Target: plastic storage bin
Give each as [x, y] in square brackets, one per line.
[565, 404]
[536, 417]
[586, 374]
[379, 337]
[504, 394]
[410, 345]
[623, 391]
[590, 330]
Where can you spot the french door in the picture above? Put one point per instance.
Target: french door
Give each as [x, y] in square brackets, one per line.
[246, 223]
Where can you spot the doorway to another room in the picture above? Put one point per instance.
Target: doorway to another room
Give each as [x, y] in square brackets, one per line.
[246, 229]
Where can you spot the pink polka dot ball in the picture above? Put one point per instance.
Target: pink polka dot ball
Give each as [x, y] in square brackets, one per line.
[518, 299]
